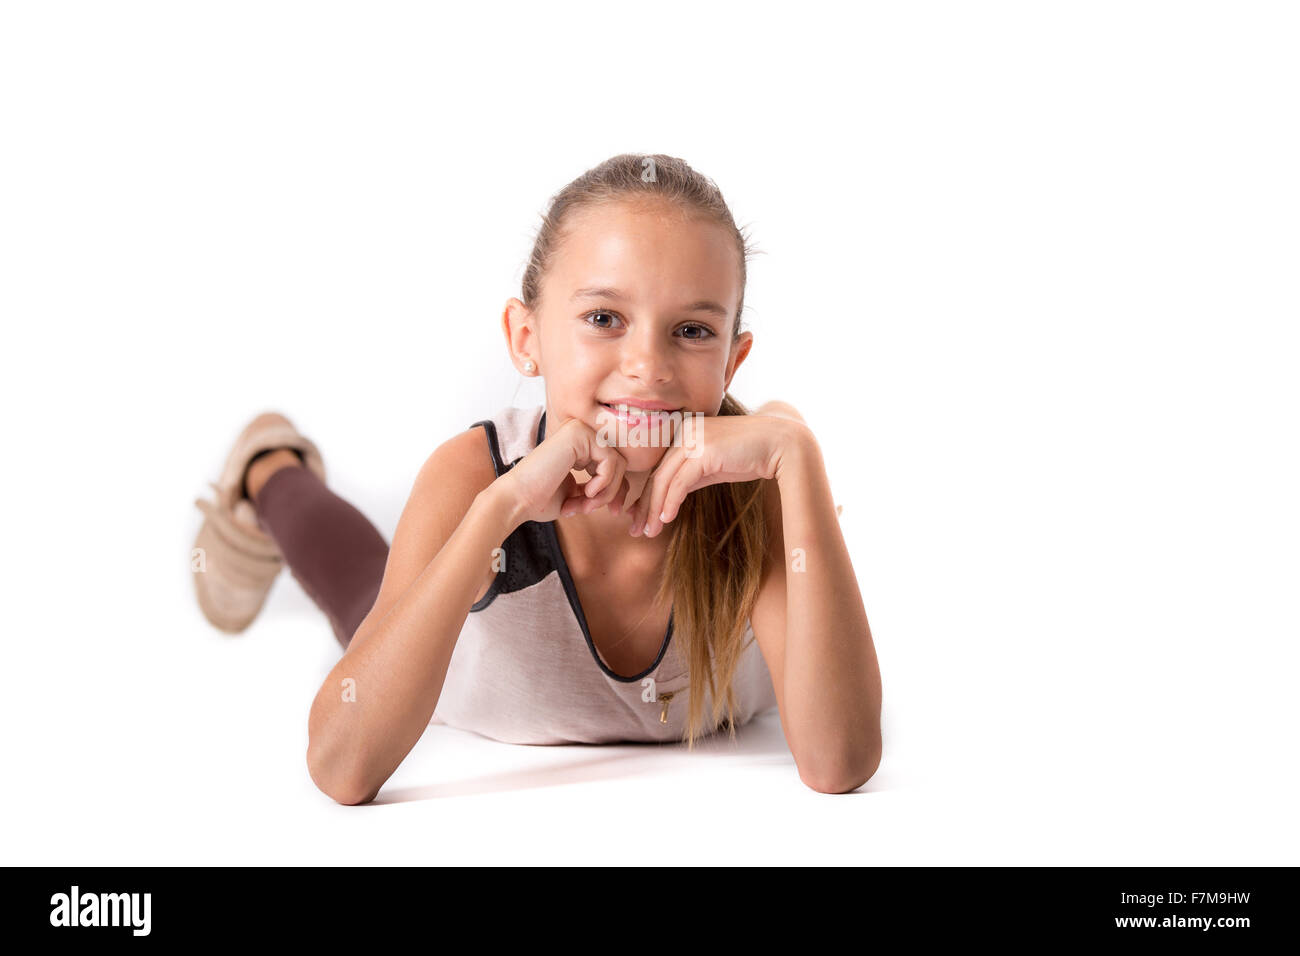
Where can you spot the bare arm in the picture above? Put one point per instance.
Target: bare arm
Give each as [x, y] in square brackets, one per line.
[832, 686]
[811, 625]
[378, 700]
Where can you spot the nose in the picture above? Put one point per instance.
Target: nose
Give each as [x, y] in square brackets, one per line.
[646, 358]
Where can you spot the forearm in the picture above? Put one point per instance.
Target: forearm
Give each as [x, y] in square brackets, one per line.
[378, 700]
[831, 676]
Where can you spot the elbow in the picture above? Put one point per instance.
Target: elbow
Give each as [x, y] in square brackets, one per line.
[844, 775]
[332, 775]
[356, 796]
[348, 792]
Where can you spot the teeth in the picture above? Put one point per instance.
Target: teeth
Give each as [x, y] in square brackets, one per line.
[638, 412]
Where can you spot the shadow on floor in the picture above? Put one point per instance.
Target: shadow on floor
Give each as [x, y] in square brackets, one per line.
[760, 742]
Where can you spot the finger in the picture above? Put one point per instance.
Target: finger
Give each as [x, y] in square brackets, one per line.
[608, 472]
[609, 476]
[619, 503]
[671, 465]
[574, 504]
[588, 496]
[602, 464]
[683, 484]
[638, 507]
[599, 480]
[614, 484]
[571, 497]
[648, 505]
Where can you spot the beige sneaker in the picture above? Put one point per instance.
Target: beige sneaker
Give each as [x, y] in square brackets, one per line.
[235, 561]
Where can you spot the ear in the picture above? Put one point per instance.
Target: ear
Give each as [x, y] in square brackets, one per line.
[519, 324]
[739, 349]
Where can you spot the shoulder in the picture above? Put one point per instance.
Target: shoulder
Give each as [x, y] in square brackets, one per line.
[444, 490]
[461, 465]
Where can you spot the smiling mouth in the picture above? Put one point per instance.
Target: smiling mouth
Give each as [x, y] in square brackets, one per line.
[636, 416]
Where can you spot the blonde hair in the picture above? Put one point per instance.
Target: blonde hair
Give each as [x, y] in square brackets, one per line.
[719, 538]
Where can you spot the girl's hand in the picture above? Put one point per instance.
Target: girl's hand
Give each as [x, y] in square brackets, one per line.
[542, 484]
[711, 449]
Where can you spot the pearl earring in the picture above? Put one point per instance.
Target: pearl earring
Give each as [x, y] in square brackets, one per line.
[529, 366]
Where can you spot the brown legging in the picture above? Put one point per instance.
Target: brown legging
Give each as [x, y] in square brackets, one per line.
[331, 548]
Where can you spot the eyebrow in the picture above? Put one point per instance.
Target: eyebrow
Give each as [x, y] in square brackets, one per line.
[604, 292]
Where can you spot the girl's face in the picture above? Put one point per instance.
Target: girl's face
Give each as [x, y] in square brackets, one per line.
[639, 304]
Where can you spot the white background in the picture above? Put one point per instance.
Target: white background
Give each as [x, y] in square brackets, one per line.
[1029, 272]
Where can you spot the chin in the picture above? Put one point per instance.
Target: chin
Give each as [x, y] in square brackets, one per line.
[642, 459]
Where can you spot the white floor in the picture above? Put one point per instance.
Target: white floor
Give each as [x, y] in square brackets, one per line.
[185, 746]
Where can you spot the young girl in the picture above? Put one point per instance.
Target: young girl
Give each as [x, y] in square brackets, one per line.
[568, 573]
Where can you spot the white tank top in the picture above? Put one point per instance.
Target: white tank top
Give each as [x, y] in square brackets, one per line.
[525, 670]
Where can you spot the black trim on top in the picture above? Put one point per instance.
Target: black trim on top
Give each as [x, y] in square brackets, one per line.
[531, 530]
[529, 563]
[490, 430]
[490, 595]
[494, 445]
[571, 590]
[498, 466]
